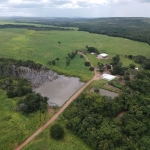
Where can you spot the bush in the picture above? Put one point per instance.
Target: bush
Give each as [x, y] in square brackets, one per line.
[132, 66]
[87, 64]
[91, 68]
[57, 132]
[96, 89]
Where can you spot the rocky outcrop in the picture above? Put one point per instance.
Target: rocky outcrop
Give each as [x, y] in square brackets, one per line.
[36, 77]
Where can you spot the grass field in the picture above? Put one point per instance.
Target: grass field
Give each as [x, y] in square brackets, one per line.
[42, 46]
[14, 126]
[44, 141]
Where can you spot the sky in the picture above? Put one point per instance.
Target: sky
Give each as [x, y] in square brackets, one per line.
[75, 8]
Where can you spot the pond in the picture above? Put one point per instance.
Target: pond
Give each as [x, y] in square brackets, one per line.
[60, 90]
[104, 92]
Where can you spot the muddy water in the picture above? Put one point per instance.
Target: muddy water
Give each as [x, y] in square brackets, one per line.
[60, 90]
[108, 93]
[103, 92]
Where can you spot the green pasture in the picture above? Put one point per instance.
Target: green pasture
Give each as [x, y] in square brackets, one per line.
[44, 141]
[14, 126]
[42, 46]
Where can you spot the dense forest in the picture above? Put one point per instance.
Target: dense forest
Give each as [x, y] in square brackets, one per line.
[114, 124]
[132, 28]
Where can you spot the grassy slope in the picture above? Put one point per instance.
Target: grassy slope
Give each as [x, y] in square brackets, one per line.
[44, 141]
[14, 126]
[42, 46]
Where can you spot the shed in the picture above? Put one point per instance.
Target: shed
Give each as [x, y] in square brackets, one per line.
[102, 55]
[108, 77]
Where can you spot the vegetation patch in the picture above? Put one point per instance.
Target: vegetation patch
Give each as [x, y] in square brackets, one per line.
[15, 126]
[57, 132]
[116, 84]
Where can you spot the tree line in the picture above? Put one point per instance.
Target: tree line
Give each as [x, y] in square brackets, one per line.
[32, 27]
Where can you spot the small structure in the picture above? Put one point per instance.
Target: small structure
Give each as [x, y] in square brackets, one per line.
[136, 68]
[102, 55]
[108, 77]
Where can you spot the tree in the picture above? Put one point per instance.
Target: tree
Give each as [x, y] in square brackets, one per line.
[87, 64]
[67, 62]
[49, 62]
[10, 94]
[59, 42]
[57, 59]
[130, 56]
[91, 68]
[53, 62]
[57, 132]
[132, 66]
[139, 59]
[116, 59]
[126, 77]
[81, 56]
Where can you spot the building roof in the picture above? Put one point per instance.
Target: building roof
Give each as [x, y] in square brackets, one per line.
[108, 77]
[103, 55]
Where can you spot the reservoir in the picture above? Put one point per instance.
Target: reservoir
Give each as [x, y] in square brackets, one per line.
[104, 92]
[60, 90]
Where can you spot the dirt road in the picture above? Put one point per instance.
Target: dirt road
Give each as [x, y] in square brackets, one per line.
[85, 58]
[96, 77]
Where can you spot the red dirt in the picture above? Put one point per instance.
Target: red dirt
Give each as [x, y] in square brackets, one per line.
[121, 114]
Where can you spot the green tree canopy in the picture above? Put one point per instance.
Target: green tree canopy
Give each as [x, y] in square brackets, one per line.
[57, 132]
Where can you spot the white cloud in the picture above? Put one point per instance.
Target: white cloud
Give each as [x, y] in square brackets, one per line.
[75, 8]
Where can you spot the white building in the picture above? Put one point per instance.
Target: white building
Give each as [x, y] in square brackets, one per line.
[102, 55]
[108, 77]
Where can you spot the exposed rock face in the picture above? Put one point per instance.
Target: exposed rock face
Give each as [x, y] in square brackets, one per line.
[36, 77]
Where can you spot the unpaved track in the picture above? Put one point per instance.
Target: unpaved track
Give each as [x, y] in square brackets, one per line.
[85, 58]
[73, 97]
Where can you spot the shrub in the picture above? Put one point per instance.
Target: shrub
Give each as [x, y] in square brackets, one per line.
[87, 64]
[91, 68]
[57, 132]
[96, 89]
[132, 66]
